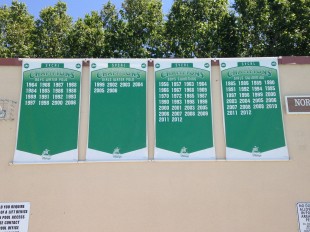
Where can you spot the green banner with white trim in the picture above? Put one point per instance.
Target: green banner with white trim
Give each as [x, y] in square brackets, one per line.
[183, 111]
[49, 111]
[117, 121]
[252, 109]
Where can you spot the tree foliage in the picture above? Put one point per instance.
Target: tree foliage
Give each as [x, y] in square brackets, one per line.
[52, 31]
[3, 22]
[16, 31]
[114, 29]
[144, 25]
[192, 28]
[274, 27]
[86, 38]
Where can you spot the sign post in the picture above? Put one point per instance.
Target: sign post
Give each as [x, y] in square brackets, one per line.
[117, 122]
[252, 109]
[183, 110]
[49, 111]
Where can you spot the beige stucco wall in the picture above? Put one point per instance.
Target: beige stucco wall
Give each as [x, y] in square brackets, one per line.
[160, 196]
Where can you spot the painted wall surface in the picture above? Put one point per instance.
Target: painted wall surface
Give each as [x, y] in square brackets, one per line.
[165, 196]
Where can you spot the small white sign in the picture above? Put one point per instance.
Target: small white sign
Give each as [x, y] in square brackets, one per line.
[303, 209]
[14, 217]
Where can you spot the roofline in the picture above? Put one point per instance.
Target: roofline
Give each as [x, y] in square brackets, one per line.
[215, 62]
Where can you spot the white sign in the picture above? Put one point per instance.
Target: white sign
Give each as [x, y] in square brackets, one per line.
[14, 217]
[303, 209]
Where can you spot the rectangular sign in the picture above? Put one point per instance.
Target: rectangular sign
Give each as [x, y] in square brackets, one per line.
[117, 121]
[297, 104]
[183, 112]
[49, 111]
[14, 217]
[252, 109]
[303, 211]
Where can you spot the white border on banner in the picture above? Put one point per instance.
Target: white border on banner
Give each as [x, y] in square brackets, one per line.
[205, 154]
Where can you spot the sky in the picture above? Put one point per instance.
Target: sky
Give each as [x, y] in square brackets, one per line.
[76, 8]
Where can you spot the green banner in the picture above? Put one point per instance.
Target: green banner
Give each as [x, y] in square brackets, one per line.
[252, 109]
[183, 109]
[49, 111]
[117, 122]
